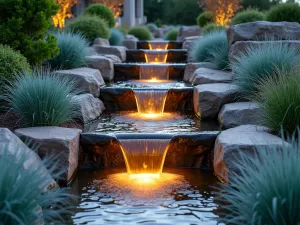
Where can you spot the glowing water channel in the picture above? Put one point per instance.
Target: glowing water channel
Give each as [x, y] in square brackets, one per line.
[158, 45]
[154, 72]
[156, 57]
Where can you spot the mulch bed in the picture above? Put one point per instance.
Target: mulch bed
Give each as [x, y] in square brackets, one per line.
[12, 121]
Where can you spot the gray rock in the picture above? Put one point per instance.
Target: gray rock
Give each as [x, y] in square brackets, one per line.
[191, 67]
[130, 43]
[189, 31]
[240, 47]
[209, 98]
[188, 42]
[12, 145]
[101, 41]
[63, 142]
[239, 113]
[158, 33]
[231, 142]
[262, 30]
[88, 80]
[90, 107]
[119, 51]
[114, 58]
[102, 63]
[209, 76]
[90, 51]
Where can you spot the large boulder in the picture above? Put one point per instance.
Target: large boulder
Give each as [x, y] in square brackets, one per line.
[101, 41]
[62, 142]
[188, 42]
[192, 67]
[114, 58]
[209, 98]
[87, 80]
[209, 76]
[102, 63]
[119, 51]
[263, 30]
[130, 42]
[240, 47]
[231, 142]
[90, 107]
[239, 113]
[189, 31]
[12, 145]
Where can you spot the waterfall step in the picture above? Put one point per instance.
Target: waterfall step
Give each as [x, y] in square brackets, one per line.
[164, 45]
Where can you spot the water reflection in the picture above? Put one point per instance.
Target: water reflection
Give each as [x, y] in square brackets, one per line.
[179, 196]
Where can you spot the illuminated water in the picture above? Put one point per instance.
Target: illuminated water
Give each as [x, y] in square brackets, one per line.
[150, 101]
[180, 196]
[154, 71]
[154, 56]
[149, 84]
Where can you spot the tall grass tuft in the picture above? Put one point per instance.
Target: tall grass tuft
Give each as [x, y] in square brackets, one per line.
[279, 98]
[42, 99]
[259, 63]
[23, 199]
[72, 50]
[265, 190]
[214, 48]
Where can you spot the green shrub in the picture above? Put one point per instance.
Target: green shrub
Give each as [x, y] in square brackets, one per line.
[265, 187]
[205, 18]
[258, 63]
[23, 199]
[172, 35]
[91, 27]
[101, 11]
[159, 23]
[284, 12]
[279, 98]
[116, 37]
[249, 15]
[142, 33]
[211, 27]
[23, 25]
[72, 51]
[151, 26]
[208, 44]
[42, 99]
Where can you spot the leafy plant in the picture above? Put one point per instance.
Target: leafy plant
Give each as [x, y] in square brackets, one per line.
[151, 26]
[208, 47]
[101, 11]
[279, 98]
[23, 199]
[91, 27]
[42, 99]
[142, 33]
[211, 27]
[172, 35]
[205, 18]
[249, 15]
[259, 63]
[116, 37]
[284, 12]
[265, 188]
[72, 50]
[23, 25]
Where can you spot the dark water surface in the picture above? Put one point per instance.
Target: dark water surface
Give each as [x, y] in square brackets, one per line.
[179, 196]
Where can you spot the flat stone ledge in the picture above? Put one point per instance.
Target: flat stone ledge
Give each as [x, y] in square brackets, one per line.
[230, 143]
[192, 67]
[239, 113]
[62, 142]
[119, 51]
[87, 80]
[209, 76]
[104, 64]
[101, 41]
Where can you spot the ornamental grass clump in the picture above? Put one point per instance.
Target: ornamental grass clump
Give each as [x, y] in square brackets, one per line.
[205, 18]
[257, 64]
[72, 50]
[249, 15]
[213, 48]
[141, 33]
[102, 12]
[265, 188]
[42, 99]
[279, 98]
[116, 37]
[212, 27]
[23, 195]
[284, 12]
[172, 34]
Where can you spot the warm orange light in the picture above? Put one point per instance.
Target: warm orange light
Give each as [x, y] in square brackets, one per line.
[156, 57]
[114, 5]
[63, 12]
[158, 45]
[159, 71]
[143, 178]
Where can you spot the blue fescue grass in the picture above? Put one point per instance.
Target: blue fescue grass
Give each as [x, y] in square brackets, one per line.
[265, 190]
[116, 37]
[42, 99]
[72, 50]
[260, 63]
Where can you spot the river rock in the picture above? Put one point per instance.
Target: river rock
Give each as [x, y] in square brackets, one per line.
[102, 63]
[209, 98]
[62, 142]
[119, 51]
[87, 80]
[12, 145]
[239, 113]
[209, 76]
[191, 67]
[231, 142]
[263, 30]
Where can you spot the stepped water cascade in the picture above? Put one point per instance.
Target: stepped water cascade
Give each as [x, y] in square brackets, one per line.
[144, 156]
[158, 45]
[154, 72]
[156, 57]
[150, 101]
